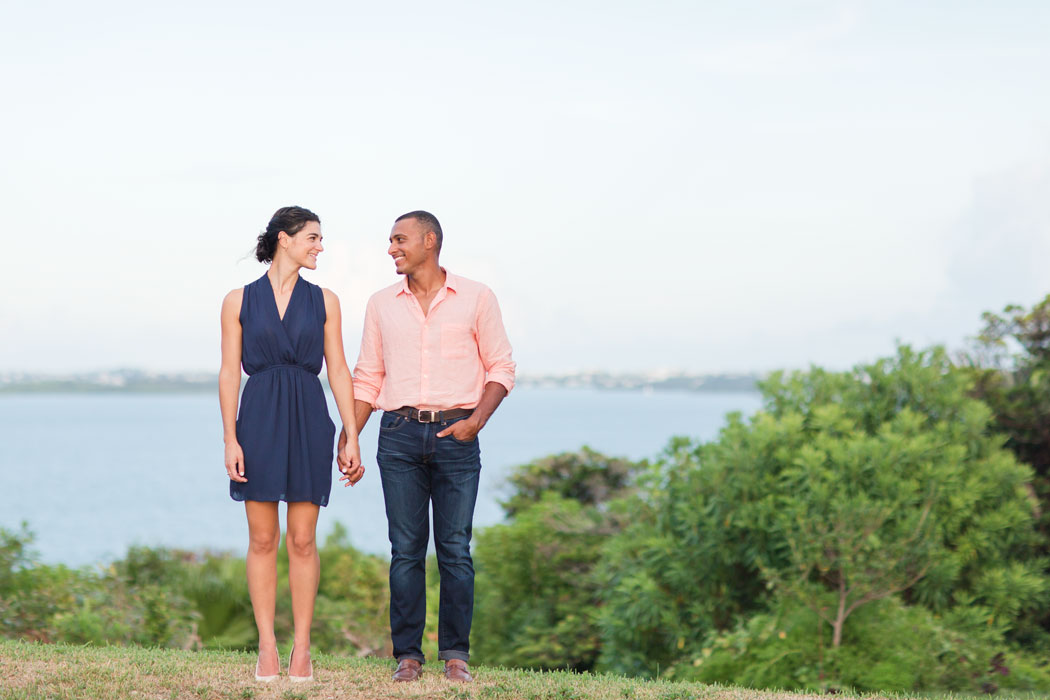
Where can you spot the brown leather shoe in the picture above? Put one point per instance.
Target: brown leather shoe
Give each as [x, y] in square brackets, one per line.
[408, 670]
[456, 670]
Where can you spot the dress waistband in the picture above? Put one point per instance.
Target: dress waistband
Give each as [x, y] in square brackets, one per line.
[273, 367]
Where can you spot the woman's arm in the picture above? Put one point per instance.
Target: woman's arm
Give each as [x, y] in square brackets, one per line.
[230, 382]
[342, 388]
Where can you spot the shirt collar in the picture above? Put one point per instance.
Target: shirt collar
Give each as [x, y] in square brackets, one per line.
[451, 282]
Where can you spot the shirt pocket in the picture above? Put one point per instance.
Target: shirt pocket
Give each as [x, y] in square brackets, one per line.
[457, 341]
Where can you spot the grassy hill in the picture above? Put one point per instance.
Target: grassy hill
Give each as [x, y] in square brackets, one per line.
[33, 671]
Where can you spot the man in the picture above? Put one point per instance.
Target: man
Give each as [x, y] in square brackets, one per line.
[436, 360]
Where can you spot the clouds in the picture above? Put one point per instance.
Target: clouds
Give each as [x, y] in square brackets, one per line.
[704, 186]
[999, 249]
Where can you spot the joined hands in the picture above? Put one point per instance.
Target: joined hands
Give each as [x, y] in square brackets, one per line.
[349, 459]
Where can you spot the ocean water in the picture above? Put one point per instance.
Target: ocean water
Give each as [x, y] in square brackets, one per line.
[95, 473]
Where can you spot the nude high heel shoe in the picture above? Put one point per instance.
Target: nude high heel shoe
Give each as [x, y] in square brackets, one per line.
[267, 679]
[299, 679]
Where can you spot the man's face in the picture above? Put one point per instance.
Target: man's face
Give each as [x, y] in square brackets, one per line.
[408, 246]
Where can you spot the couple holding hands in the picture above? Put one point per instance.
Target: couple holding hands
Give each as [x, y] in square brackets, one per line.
[434, 358]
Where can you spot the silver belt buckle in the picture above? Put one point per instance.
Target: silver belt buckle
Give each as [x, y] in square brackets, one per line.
[431, 416]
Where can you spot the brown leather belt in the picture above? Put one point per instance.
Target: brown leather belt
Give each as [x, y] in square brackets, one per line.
[427, 416]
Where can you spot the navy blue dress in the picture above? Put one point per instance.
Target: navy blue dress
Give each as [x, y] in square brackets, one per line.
[283, 425]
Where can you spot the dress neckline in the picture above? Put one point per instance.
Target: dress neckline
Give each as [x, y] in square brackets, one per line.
[273, 297]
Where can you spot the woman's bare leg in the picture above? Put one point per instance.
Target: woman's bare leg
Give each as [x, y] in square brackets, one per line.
[304, 570]
[264, 537]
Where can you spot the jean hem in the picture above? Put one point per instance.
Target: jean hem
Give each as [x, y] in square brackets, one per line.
[418, 657]
[453, 654]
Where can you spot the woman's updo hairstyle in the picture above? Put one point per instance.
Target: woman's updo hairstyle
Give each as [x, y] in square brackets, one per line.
[288, 219]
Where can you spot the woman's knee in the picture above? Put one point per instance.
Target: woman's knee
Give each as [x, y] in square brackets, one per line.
[264, 543]
[301, 544]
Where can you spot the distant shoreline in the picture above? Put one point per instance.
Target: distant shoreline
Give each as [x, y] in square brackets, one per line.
[139, 382]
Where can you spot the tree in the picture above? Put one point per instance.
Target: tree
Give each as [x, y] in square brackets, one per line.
[849, 487]
[1010, 368]
[855, 513]
[536, 600]
[587, 477]
[1010, 365]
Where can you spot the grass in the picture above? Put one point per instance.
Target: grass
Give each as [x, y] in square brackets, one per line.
[33, 671]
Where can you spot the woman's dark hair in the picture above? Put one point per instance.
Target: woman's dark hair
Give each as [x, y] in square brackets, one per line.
[288, 219]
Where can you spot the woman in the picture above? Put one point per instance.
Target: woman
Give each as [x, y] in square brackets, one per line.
[280, 446]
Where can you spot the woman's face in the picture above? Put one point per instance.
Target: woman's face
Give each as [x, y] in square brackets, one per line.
[303, 248]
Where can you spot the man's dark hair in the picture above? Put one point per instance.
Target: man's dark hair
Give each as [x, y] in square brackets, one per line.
[429, 221]
[291, 220]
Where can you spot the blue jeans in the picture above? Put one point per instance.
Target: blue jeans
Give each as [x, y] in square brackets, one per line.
[418, 469]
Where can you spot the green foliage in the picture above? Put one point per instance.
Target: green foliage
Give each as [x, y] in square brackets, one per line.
[858, 485]
[587, 477]
[352, 610]
[31, 596]
[536, 598]
[1010, 369]
[888, 647]
[58, 604]
[172, 598]
[854, 511]
[534, 605]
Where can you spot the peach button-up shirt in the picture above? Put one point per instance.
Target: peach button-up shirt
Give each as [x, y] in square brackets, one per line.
[436, 361]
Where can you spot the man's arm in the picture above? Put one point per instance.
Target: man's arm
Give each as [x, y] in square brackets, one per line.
[369, 372]
[493, 345]
[468, 428]
[362, 411]
[495, 351]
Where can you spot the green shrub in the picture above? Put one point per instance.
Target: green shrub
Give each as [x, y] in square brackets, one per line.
[536, 598]
[859, 485]
[888, 647]
[353, 599]
[163, 597]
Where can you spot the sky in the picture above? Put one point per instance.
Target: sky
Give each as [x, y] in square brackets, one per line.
[686, 186]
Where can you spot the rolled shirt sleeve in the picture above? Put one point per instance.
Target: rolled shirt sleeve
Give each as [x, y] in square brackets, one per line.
[493, 344]
[370, 371]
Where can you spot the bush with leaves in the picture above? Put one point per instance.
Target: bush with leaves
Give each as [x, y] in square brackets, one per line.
[1010, 366]
[888, 647]
[586, 476]
[849, 488]
[351, 615]
[84, 606]
[536, 600]
[174, 598]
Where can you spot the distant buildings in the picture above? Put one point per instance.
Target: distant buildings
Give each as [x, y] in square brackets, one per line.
[132, 380]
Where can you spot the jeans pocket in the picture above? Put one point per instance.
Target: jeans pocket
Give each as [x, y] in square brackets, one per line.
[392, 422]
[456, 440]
